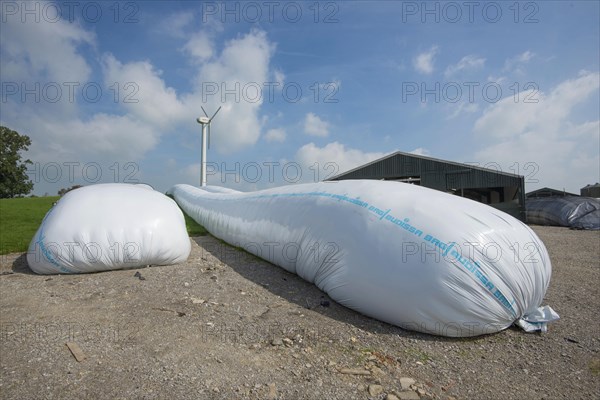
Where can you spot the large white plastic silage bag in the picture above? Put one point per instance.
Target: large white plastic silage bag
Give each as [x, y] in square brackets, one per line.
[407, 255]
[109, 226]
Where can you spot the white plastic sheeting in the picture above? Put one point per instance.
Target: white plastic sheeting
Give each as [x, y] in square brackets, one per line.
[109, 226]
[410, 256]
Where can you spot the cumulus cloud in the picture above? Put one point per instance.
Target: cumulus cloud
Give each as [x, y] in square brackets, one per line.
[243, 62]
[543, 139]
[143, 92]
[469, 62]
[199, 47]
[420, 151]
[175, 24]
[315, 126]
[108, 138]
[279, 77]
[336, 154]
[462, 108]
[33, 51]
[423, 62]
[275, 135]
[516, 63]
[44, 50]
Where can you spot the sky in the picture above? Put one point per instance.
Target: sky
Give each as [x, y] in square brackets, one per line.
[110, 91]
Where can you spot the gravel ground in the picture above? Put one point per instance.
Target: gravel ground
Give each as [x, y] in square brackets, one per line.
[226, 325]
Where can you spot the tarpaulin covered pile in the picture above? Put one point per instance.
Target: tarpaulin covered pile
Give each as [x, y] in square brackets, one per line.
[570, 211]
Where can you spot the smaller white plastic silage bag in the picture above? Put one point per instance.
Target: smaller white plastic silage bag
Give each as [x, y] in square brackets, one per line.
[109, 226]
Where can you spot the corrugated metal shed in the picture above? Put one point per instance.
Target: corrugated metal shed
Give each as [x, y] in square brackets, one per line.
[548, 192]
[591, 190]
[502, 190]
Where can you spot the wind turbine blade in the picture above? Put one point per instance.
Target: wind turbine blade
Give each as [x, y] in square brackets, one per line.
[218, 109]
[205, 114]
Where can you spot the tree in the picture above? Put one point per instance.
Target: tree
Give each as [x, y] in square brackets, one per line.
[13, 178]
[64, 191]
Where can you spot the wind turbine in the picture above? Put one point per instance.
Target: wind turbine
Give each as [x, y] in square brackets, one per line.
[205, 122]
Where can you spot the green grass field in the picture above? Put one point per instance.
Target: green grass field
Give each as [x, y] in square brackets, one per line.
[20, 219]
[193, 228]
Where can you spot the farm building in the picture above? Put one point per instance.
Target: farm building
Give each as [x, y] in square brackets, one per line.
[548, 192]
[504, 191]
[591, 190]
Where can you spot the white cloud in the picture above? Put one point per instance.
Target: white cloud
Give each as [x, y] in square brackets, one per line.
[516, 63]
[34, 50]
[423, 63]
[46, 52]
[420, 151]
[461, 108]
[315, 126]
[142, 91]
[496, 79]
[341, 157]
[243, 61]
[279, 77]
[276, 135]
[108, 138]
[175, 24]
[564, 153]
[199, 47]
[470, 62]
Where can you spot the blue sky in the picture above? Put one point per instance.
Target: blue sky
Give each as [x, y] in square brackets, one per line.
[109, 92]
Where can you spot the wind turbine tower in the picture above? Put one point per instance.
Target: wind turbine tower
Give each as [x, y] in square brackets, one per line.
[205, 122]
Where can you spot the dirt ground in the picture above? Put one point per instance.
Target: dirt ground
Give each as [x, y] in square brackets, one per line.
[226, 325]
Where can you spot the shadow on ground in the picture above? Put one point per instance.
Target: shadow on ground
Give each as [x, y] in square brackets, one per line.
[302, 293]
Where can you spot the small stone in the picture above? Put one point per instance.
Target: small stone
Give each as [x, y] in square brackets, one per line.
[287, 342]
[391, 396]
[186, 284]
[214, 277]
[255, 346]
[406, 382]
[408, 396]
[354, 371]
[421, 392]
[277, 342]
[272, 395]
[375, 390]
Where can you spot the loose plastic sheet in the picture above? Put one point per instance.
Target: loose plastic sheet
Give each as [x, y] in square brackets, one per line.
[407, 255]
[109, 226]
